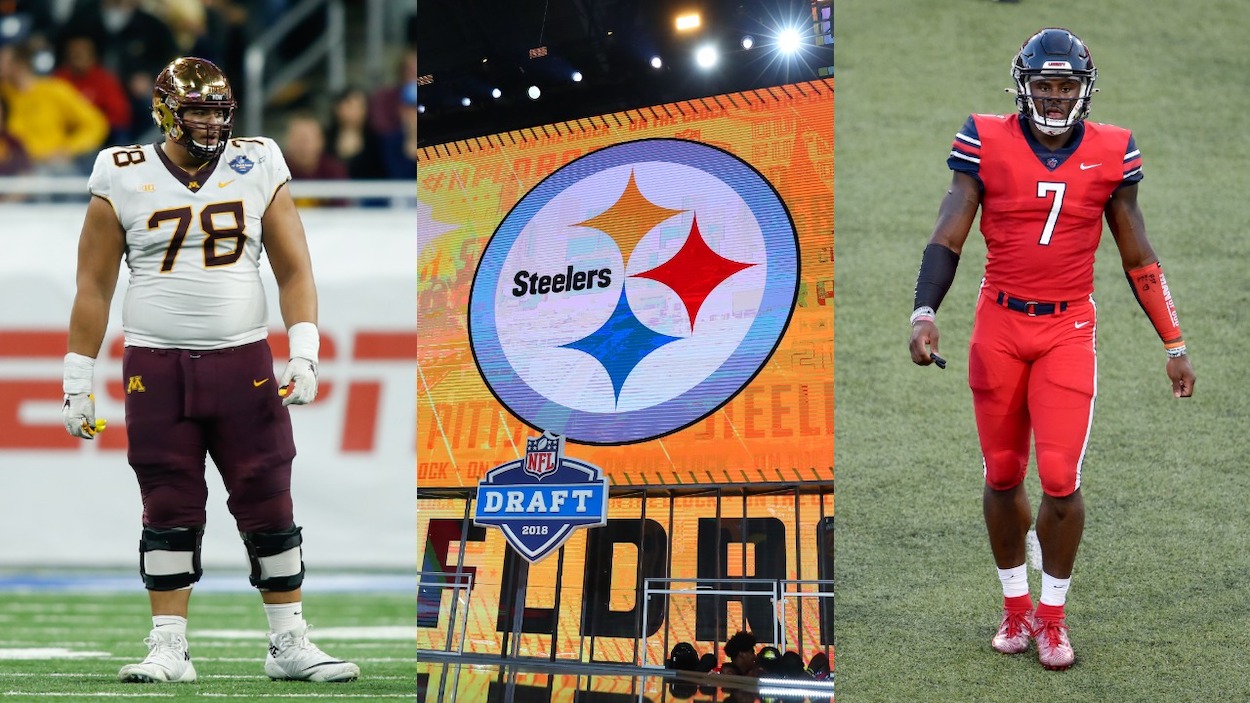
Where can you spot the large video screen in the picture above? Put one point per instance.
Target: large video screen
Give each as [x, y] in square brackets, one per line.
[655, 286]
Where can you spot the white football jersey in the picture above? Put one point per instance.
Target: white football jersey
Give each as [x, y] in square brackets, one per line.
[193, 242]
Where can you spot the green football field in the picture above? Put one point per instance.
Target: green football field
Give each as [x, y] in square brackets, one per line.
[69, 646]
[1160, 598]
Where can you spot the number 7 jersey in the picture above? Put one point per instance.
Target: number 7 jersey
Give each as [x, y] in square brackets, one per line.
[193, 241]
[1042, 211]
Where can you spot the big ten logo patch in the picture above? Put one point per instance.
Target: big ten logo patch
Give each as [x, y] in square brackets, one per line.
[634, 291]
[358, 368]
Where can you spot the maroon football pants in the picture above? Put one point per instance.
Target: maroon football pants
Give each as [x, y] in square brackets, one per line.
[182, 406]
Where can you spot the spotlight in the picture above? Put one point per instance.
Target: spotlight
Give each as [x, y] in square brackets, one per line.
[577, 76]
[706, 56]
[788, 41]
[748, 41]
[466, 101]
[533, 92]
[420, 109]
[656, 62]
[496, 93]
[688, 21]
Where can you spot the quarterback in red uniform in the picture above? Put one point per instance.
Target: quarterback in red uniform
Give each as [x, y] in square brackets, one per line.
[1044, 179]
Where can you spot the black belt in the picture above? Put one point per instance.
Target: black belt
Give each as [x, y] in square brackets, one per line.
[1032, 308]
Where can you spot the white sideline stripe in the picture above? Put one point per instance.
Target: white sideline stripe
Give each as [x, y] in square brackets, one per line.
[388, 633]
[39, 653]
[87, 695]
[200, 677]
[248, 696]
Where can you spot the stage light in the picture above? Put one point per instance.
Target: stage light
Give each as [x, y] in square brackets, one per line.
[788, 41]
[706, 56]
[748, 41]
[533, 92]
[656, 62]
[420, 109]
[496, 93]
[577, 76]
[466, 101]
[688, 21]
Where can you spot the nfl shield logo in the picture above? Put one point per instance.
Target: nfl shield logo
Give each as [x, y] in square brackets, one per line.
[538, 516]
[1052, 163]
[542, 455]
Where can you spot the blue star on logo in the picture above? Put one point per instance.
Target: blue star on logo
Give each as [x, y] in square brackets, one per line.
[621, 343]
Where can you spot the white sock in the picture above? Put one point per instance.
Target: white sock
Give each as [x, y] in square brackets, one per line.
[1054, 591]
[1015, 581]
[284, 616]
[175, 624]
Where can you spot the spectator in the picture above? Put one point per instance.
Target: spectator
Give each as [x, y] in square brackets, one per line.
[385, 104]
[80, 67]
[305, 152]
[741, 652]
[350, 139]
[134, 44]
[13, 158]
[399, 148]
[54, 122]
[199, 28]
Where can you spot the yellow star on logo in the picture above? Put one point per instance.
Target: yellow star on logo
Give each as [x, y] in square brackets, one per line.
[630, 218]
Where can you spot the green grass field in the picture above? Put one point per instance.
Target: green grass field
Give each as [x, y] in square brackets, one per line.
[1158, 606]
[68, 647]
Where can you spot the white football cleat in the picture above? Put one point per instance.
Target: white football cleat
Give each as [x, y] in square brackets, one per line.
[293, 657]
[168, 661]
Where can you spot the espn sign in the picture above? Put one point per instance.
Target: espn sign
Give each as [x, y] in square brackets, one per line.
[26, 399]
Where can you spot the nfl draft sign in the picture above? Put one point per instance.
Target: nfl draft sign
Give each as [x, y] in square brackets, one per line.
[539, 500]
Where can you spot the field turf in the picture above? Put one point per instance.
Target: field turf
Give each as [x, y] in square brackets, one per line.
[1160, 597]
[69, 647]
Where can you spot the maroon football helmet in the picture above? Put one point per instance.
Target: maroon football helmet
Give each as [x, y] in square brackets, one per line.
[190, 82]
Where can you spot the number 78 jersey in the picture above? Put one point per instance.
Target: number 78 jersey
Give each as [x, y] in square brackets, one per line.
[1042, 211]
[193, 241]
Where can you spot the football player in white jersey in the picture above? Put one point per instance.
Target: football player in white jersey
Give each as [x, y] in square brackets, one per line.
[191, 215]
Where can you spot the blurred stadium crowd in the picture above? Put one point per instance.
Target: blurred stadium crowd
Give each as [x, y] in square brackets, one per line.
[76, 76]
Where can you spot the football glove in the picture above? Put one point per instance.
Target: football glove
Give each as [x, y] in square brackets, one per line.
[79, 415]
[299, 382]
[78, 412]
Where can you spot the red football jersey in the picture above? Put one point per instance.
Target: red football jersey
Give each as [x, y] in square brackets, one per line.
[1042, 214]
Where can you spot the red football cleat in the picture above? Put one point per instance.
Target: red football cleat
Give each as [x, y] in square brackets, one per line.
[1054, 650]
[1013, 632]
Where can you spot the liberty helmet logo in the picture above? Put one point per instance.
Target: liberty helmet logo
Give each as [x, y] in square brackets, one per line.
[634, 291]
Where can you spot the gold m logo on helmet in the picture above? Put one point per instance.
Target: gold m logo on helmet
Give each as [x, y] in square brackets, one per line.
[135, 385]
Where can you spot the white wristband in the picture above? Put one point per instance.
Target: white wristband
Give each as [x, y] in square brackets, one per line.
[304, 341]
[78, 374]
[924, 312]
[1176, 352]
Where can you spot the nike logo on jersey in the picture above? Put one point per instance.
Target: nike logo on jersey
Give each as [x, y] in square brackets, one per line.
[223, 184]
[261, 382]
[1086, 167]
[1079, 325]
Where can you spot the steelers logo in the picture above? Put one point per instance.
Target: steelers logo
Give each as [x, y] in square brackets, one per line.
[634, 291]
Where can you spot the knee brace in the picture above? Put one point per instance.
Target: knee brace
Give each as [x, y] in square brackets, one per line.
[170, 559]
[276, 557]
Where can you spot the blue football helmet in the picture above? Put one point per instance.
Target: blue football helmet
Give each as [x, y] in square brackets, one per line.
[1054, 53]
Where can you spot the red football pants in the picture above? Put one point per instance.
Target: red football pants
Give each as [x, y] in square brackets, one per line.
[1033, 374]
